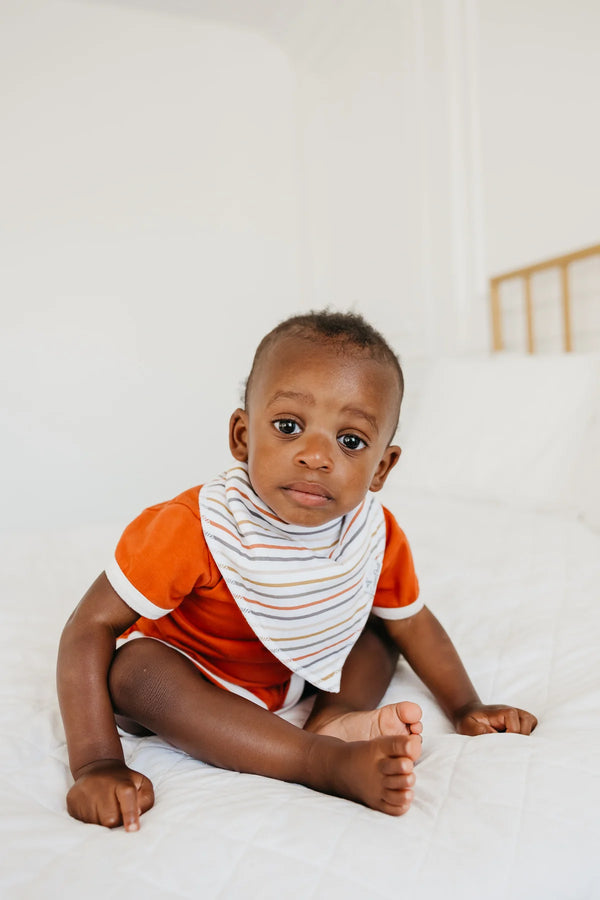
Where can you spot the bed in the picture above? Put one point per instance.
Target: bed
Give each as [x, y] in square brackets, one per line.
[499, 493]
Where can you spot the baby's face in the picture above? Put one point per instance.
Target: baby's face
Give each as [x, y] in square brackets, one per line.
[316, 431]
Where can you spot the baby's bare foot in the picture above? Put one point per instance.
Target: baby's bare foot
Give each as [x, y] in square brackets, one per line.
[396, 718]
[378, 773]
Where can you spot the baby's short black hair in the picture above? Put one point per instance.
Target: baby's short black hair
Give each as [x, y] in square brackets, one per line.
[346, 330]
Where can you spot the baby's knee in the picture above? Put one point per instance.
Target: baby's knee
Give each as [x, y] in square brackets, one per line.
[132, 674]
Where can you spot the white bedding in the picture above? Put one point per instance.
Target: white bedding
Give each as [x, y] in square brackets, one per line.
[494, 816]
[497, 816]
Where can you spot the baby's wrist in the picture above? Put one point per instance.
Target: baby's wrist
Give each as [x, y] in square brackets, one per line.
[465, 709]
[96, 765]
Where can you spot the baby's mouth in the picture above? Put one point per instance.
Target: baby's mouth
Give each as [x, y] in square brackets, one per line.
[308, 493]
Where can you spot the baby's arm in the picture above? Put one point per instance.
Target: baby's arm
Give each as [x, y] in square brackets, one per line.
[106, 791]
[430, 652]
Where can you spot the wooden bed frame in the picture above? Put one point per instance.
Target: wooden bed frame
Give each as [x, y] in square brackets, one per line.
[561, 263]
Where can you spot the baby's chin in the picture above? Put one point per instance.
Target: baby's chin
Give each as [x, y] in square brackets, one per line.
[309, 515]
[310, 521]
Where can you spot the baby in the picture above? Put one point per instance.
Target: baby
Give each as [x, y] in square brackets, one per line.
[281, 577]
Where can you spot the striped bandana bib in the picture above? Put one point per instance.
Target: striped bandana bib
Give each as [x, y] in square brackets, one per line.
[305, 592]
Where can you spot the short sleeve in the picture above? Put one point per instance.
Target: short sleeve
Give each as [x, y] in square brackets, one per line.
[397, 594]
[161, 557]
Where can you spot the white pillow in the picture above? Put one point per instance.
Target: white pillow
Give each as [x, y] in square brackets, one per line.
[511, 429]
[586, 477]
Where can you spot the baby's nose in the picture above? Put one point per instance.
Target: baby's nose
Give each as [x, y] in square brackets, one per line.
[315, 452]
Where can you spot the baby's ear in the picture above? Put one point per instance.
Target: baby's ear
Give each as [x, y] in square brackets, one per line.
[386, 464]
[238, 435]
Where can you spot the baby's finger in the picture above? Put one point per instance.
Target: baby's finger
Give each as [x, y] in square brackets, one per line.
[127, 798]
[145, 793]
[79, 806]
[107, 812]
[510, 718]
[528, 722]
[473, 726]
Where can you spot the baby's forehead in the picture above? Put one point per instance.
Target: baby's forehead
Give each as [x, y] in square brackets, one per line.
[298, 356]
[319, 350]
[323, 348]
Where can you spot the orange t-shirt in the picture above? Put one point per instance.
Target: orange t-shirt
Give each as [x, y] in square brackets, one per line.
[164, 570]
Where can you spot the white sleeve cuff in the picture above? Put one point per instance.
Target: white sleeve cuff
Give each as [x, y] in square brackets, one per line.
[399, 612]
[130, 594]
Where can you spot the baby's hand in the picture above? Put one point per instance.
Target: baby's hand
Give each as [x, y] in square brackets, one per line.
[107, 793]
[481, 719]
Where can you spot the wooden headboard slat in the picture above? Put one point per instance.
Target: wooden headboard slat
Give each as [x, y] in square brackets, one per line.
[561, 263]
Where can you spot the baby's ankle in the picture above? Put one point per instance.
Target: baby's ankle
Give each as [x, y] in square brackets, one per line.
[323, 762]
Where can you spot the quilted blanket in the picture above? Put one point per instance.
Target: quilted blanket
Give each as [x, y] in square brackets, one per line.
[495, 816]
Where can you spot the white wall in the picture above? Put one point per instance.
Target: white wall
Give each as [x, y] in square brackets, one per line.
[149, 238]
[385, 184]
[171, 187]
[539, 71]
[445, 141]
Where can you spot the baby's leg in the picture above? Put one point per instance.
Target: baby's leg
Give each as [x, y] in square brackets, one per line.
[351, 714]
[158, 688]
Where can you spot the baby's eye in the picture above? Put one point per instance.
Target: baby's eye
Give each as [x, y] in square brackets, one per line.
[287, 426]
[351, 442]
